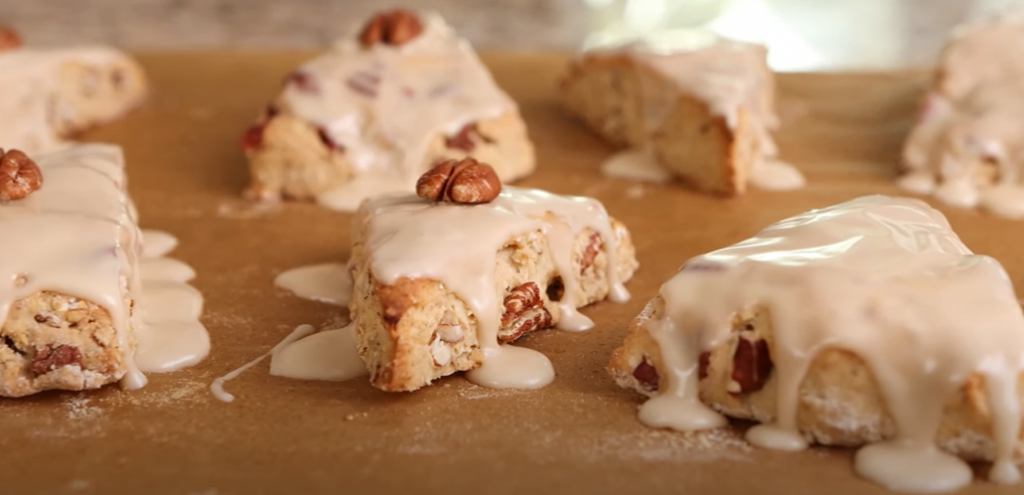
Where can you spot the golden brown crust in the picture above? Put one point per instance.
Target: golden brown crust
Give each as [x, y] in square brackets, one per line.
[611, 93]
[290, 157]
[414, 331]
[840, 402]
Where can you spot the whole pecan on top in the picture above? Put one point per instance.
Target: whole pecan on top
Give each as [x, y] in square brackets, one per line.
[9, 39]
[465, 181]
[396, 28]
[19, 175]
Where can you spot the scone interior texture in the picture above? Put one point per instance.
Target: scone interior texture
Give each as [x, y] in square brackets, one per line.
[49, 95]
[439, 288]
[705, 113]
[68, 258]
[967, 146]
[865, 324]
[369, 117]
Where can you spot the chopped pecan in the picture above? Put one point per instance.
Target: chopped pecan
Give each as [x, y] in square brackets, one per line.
[465, 181]
[647, 375]
[555, 289]
[702, 365]
[533, 319]
[519, 301]
[19, 175]
[593, 247]
[252, 139]
[9, 39]
[364, 83]
[396, 28]
[751, 364]
[466, 138]
[327, 140]
[304, 82]
[50, 358]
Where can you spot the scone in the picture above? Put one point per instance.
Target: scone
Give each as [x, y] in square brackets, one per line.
[439, 287]
[704, 113]
[49, 95]
[374, 113]
[867, 324]
[967, 146]
[68, 257]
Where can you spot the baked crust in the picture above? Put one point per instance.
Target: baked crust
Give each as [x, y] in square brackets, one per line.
[404, 328]
[839, 402]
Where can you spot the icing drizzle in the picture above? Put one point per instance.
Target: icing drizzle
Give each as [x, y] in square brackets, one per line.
[885, 278]
[457, 245]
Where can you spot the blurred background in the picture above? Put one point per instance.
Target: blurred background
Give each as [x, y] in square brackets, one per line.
[802, 34]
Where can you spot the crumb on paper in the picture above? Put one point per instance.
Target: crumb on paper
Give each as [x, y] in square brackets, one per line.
[246, 210]
[78, 485]
[635, 191]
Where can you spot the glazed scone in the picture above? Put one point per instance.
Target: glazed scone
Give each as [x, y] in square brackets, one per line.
[49, 95]
[967, 146]
[865, 324]
[374, 113]
[704, 114]
[69, 246]
[439, 287]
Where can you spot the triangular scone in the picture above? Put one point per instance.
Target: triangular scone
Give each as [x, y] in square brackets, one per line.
[851, 325]
[49, 95]
[705, 113]
[439, 287]
[375, 112]
[967, 146]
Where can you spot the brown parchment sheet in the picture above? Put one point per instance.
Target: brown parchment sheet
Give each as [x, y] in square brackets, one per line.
[578, 435]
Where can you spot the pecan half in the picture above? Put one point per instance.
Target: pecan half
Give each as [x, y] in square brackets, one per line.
[19, 175]
[9, 39]
[465, 181]
[50, 358]
[593, 247]
[395, 28]
[751, 364]
[521, 299]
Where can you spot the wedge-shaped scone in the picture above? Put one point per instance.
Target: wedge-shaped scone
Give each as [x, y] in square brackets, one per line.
[967, 146]
[374, 113]
[704, 113]
[439, 287]
[865, 324]
[49, 95]
[68, 257]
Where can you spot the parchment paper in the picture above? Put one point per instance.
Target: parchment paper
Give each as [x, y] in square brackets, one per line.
[578, 435]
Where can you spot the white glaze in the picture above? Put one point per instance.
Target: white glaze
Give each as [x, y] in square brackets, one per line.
[457, 245]
[967, 147]
[885, 278]
[330, 355]
[217, 387]
[776, 175]
[29, 80]
[437, 74]
[77, 235]
[329, 283]
[171, 337]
